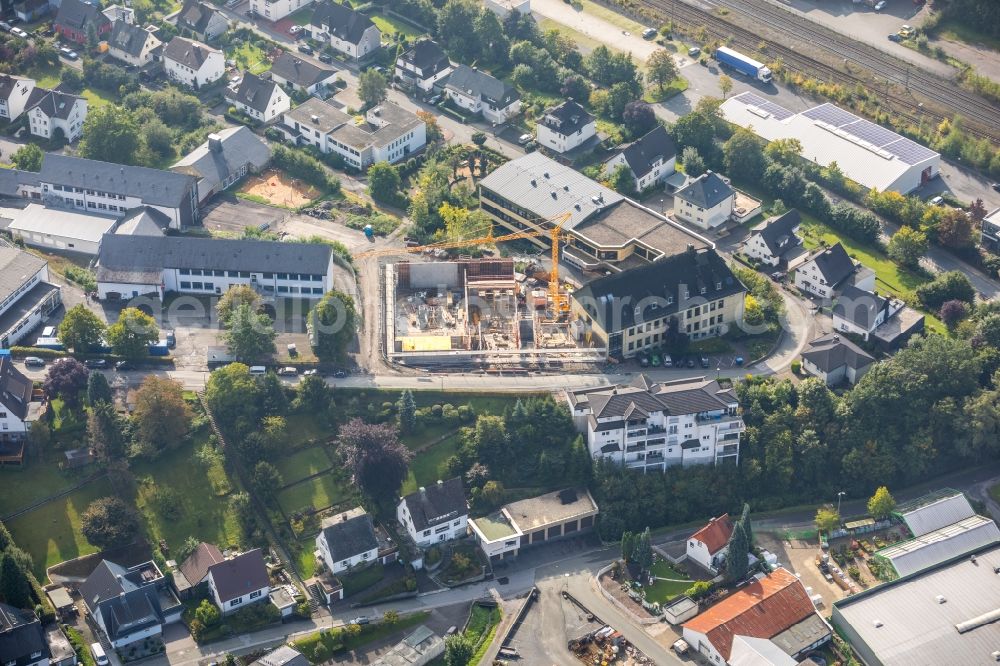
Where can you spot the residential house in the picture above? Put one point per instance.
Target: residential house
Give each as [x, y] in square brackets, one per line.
[76, 21]
[706, 202]
[51, 111]
[259, 98]
[275, 10]
[191, 577]
[419, 648]
[422, 65]
[295, 74]
[129, 604]
[504, 8]
[22, 639]
[226, 157]
[282, 656]
[389, 133]
[17, 411]
[565, 127]
[774, 607]
[861, 312]
[130, 266]
[990, 232]
[115, 13]
[107, 188]
[693, 293]
[709, 545]
[480, 93]
[239, 581]
[773, 241]
[347, 540]
[15, 92]
[345, 29]
[828, 270]
[202, 20]
[651, 159]
[192, 63]
[652, 426]
[835, 359]
[529, 522]
[27, 298]
[436, 513]
[30, 11]
[132, 44]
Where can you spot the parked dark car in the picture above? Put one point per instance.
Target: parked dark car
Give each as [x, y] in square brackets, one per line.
[325, 57]
[704, 362]
[96, 363]
[895, 38]
[305, 48]
[121, 366]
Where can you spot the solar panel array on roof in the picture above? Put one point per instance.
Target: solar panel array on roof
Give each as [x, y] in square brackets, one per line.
[829, 113]
[871, 132]
[910, 152]
[779, 112]
[906, 150]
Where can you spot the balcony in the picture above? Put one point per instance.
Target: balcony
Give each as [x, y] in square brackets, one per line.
[655, 457]
[635, 448]
[734, 423]
[636, 433]
[655, 429]
[728, 450]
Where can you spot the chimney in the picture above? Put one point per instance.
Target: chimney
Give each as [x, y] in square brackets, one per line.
[215, 143]
[423, 491]
[440, 482]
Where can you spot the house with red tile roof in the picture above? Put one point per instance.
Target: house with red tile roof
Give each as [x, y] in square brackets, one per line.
[774, 607]
[709, 545]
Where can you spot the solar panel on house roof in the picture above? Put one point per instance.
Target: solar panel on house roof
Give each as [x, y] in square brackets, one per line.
[829, 113]
[778, 112]
[908, 151]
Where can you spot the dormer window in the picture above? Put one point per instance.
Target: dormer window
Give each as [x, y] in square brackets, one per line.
[704, 290]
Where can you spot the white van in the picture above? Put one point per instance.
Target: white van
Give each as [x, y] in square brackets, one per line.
[258, 370]
[48, 331]
[99, 656]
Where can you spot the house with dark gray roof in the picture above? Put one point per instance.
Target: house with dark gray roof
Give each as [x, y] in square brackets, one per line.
[345, 29]
[565, 127]
[422, 65]
[706, 202]
[132, 44]
[105, 188]
[290, 71]
[829, 270]
[835, 359]
[347, 540]
[22, 639]
[261, 99]
[480, 93]
[19, 412]
[651, 158]
[650, 425]
[30, 11]
[15, 92]
[52, 110]
[435, 513]
[691, 294]
[773, 241]
[130, 266]
[239, 581]
[192, 63]
[76, 20]
[202, 20]
[130, 604]
[226, 157]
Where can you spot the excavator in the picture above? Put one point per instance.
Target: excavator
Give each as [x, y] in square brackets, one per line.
[559, 299]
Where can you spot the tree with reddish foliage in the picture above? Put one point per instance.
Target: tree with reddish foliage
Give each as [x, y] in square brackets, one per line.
[376, 458]
[639, 118]
[955, 230]
[952, 312]
[977, 211]
[66, 378]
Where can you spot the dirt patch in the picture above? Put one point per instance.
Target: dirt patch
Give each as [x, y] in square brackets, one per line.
[280, 189]
[614, 588]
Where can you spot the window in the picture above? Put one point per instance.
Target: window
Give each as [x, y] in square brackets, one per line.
[427, 532]
[254, 595]
[282, 290]
[209, 285]
[185, 271]
[185, 285]
[236, 602]
[282, 276]
[196, 285]
[219, 273]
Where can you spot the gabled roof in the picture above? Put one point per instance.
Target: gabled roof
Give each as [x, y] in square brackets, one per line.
[239, 575]
[935, 510]
[8, 83]
[349, 534]
[438, 503]
[683, 396]
[481, 85]
[126, 598]
[427, 56]
[254, 91]
[53, 103]
[715, 535]
[282, 656]
[143, 221]
[300, 72]
[195, 15]
[832, 351]
[763, 609]
[195, 567]
[706, 191]
[834, 264]
[223, 154]
[778, 233]
[566, 118]
[154, 186]
[344, 22]
[858, 306]
[21, 636]
[188, 52]
[16, 267]
[79, 15]
[15, 388]
[651, 148]
[129, 38]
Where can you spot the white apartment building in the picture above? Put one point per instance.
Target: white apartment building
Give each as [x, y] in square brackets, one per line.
[49, 110]
[259, 98]
[435, 514]
[275, 10]
[345, 30]
[706, 202]
[478, 92]
[652, 426]
[565, 127]
[192, 63]
[15, 92]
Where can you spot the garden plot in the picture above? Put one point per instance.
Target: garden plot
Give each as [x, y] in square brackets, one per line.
[279, 189]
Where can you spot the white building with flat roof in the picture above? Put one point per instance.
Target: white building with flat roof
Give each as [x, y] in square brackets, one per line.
[63, 229]
[869, 154]
[26, 296]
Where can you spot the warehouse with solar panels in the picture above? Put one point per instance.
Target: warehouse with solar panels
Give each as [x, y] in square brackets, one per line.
[868, 154]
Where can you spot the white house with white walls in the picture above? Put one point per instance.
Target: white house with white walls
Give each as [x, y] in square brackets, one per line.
[435, 513]
[15, 91]
[239, 581]
[192, 63]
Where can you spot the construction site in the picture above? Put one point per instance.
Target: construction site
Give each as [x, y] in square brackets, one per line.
[605, 647]
[478, 312]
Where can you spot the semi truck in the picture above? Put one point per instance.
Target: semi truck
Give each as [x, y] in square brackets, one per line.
[743, 64]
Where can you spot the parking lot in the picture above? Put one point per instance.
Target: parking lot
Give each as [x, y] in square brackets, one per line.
[228, 214]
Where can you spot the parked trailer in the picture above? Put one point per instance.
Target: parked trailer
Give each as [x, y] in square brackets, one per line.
[743, 64]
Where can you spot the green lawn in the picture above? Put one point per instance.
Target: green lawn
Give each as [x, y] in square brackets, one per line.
[23, 486]
[664, 590]
[323, 491]
[302, 16]
[202, 492]
[429, 466]
[98, 98]
[611, 16]
[303, 463]
[361, 580]
[248, 57]
[305, 557]
[304, 428]
[583, 42]
[959, 32]
[390, 24]
[45, 77]
[653, 94]
[51, 533]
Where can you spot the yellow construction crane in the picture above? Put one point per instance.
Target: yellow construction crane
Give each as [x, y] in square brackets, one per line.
[560, 302]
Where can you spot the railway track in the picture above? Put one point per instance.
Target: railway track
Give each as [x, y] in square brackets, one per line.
[945, 98]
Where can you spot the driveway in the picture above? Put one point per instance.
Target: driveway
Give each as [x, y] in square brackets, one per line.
[597, 28]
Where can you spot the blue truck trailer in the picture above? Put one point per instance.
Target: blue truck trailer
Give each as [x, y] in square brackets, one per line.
[743, 64]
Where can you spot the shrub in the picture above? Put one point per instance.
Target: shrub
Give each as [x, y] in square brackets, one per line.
[699, 589]
[796, 366]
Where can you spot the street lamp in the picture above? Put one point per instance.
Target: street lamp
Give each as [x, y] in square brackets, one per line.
[839, 496]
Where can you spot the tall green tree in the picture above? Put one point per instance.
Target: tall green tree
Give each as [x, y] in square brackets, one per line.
[644, 550]
[907, 247]
[240, 294]
[372, 87]
[98, 389]
[14, 586]
[407, 412]
[661, 68]
[738, 554]
[743, 152]
[881, 504]
[161, 414]
[80, 329]
[694, 165]
[250, 336]
[28, 157]
[266, 479]
[376, 458]
[105, 431]
[132, 334]
[384, 183]
[111, 134]
[333, 325]
[108, 523]
[233, 395]
[627, 546]
[458, 650]
[827, 519]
